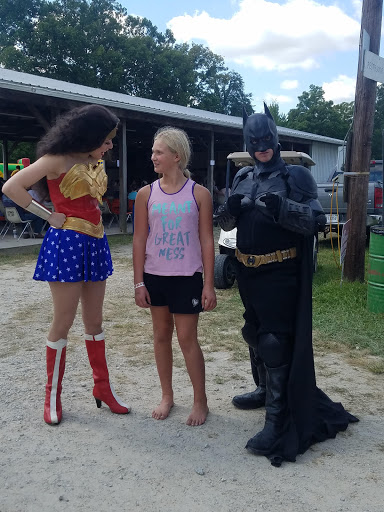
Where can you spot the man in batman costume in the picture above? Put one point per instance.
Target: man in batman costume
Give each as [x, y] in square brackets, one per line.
[275, 209]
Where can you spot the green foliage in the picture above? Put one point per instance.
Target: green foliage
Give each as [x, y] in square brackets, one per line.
[280, 119]
[22, 150]
[226, 95]
[216, 88]
[340, 310]
[314, 114]
[96, 43]
[378, 127]
[340, 314]
[118, 240]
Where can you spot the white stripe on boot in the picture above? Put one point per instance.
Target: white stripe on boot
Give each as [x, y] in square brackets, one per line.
[55, 373]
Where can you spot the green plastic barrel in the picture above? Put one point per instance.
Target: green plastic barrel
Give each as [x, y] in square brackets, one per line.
[375, 296]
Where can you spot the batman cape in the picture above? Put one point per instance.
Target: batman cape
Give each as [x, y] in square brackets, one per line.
[275, 206]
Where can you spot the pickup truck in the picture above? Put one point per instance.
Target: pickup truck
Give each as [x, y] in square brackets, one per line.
[332, 198]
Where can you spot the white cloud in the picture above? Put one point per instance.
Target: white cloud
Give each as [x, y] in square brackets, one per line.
[357, 6]
[289, 84]
[266, 35]
[341, 89]
[279, 98]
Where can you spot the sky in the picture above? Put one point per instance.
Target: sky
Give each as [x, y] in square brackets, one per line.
[279, 47]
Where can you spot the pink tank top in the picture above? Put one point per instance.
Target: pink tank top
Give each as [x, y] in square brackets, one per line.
[173, 245]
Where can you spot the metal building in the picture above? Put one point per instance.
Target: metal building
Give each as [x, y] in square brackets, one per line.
[30, 103]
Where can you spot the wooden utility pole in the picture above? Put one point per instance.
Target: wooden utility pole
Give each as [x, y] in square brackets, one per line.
[365, 98]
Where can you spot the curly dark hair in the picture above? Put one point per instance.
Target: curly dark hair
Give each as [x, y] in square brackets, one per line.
[80, 130]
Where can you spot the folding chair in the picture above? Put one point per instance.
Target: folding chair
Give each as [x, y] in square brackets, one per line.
[105, 210]
[2, 218]
[131, 206]
[13, 217]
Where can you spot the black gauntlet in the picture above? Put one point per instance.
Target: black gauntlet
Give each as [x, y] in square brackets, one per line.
[297, 217]
[225, 219]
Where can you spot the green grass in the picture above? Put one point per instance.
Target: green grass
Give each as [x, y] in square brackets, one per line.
[16, 258]
[341, 321]
[116, 240]
[340, 309]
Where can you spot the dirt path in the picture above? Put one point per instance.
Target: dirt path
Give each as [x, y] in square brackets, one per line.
[98, 461]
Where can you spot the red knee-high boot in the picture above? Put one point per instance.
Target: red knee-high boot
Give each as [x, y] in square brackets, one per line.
[56, 351]
[103, 390]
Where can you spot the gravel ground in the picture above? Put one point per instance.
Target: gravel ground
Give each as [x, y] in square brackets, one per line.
[95, 460]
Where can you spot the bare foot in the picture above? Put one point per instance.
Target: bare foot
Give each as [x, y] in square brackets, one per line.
[198, 414]
[163, 409]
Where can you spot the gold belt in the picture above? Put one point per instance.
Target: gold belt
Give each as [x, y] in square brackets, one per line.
[255, 260]
[84, 226]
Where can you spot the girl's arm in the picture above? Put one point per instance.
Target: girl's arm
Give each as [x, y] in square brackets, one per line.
[17, 186]
[204, 202]
[140, 235]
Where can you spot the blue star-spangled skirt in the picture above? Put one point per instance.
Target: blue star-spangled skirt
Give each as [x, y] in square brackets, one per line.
[67, 256]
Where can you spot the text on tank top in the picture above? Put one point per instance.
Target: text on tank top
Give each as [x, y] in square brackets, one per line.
[173, 245]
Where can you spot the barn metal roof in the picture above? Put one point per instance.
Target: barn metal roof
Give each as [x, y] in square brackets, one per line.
[35, 84]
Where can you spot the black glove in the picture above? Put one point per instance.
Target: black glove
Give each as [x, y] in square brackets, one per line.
[234, 204]
[272, 203]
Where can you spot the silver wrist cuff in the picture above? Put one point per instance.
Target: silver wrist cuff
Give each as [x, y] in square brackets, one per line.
[39, 210]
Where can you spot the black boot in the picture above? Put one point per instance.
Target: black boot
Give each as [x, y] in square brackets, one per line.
[265, 441]
[254, 399]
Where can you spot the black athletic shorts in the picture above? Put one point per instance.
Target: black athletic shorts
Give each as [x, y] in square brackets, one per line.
[182, 294]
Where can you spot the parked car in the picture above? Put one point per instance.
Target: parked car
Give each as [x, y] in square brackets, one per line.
[225, 261]
[332, 197]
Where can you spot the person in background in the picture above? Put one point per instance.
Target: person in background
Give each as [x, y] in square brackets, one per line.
[37, 223]
[131, 202]
[172, 247]
[275, 209]
[17, 169]
[74, 258]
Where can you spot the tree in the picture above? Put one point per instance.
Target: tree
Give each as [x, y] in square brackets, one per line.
[280, 119]
[96, 43]
[226, 95]
[378, 126]
[217, 89]
[22, 150]
[314, 114]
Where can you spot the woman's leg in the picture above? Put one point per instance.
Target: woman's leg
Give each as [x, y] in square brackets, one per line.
[186, 327]
[65, 300]
[92, 299]
[162, 321]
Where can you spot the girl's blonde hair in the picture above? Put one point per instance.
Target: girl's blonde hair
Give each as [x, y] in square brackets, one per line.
[178, 142]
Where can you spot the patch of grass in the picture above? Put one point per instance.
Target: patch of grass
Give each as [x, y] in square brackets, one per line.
[16, 258]
[116, 240]
[376, 367]
[340, 309]
[341, 321]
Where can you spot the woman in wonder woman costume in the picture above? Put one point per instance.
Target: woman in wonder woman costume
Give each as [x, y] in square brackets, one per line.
[74, 256]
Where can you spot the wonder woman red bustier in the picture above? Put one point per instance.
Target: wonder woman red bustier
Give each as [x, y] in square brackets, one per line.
[77, 194]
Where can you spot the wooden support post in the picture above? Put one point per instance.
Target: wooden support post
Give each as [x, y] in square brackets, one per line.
[365, 97]
[5, 159]
[211, 166]
[123, 175]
